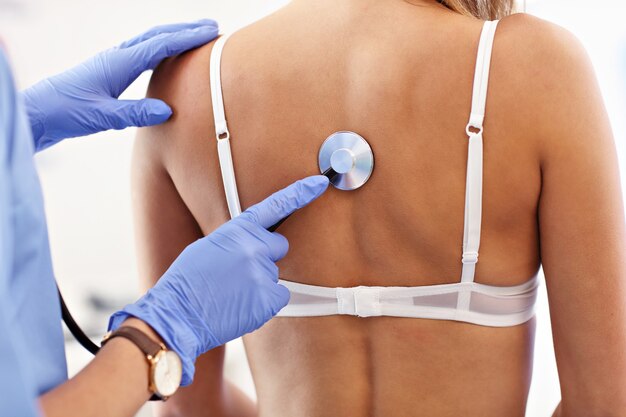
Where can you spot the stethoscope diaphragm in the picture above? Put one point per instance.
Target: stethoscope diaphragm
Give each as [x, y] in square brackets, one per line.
[350, 156]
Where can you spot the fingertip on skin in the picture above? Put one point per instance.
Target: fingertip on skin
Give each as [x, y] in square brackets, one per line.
[316, 185]
[198, 36]
[157, 119]
[157, 112]
[284, 202]
[320, 182]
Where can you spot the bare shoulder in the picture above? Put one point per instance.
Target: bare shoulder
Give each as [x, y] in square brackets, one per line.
[546, 55]
[532, 37]
[180, 79]
[550, 78]
[183, 83]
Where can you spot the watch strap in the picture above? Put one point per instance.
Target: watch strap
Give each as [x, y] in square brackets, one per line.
[149, 347]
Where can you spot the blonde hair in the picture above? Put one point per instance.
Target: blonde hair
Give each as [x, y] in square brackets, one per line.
[482, 9]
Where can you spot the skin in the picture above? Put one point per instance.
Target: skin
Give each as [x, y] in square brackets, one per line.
[401, 75]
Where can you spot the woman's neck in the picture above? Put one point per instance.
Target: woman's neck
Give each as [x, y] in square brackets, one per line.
[355, 8]
[427, 3]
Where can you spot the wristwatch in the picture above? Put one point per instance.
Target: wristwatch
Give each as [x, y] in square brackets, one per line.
[166, 369]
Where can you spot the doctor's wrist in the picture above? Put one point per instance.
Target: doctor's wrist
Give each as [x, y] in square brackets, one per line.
[144, 327]
[175, 333]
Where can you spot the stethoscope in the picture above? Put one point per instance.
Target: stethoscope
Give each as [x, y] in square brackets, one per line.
[344, 157]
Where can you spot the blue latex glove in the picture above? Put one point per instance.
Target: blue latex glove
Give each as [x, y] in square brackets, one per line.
[225, 284]
[83, 100]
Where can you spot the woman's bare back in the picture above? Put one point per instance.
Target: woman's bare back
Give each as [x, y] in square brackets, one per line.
[401, 76]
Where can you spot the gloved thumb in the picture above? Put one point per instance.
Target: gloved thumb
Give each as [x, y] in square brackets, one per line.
[139, 113]
[286, 201]
[281, 297]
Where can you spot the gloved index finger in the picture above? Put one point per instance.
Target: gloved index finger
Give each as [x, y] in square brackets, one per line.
[148, 54]
[286, 201]
[170, 28]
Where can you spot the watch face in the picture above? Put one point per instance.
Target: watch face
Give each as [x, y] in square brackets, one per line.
[168, 372]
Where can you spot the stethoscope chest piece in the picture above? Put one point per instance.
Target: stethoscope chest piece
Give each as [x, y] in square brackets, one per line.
[350, 156]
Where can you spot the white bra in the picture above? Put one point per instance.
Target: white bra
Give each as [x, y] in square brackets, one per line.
[465, 301]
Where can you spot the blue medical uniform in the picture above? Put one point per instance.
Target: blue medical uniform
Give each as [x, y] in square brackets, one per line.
[32, 354]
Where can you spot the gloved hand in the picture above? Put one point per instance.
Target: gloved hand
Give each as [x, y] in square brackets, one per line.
[83, 100]
[223, 285]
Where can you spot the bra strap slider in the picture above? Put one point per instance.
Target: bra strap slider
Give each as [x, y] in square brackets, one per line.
[470, 257]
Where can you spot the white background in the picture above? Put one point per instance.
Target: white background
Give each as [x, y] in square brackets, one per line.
[86, 182]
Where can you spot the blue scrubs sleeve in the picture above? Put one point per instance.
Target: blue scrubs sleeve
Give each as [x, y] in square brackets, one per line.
[17, 394]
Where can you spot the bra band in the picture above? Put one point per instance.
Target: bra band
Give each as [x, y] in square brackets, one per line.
[491, 306]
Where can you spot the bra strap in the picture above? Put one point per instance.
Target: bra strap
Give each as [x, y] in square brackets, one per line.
[221, 130]
[474, 178]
